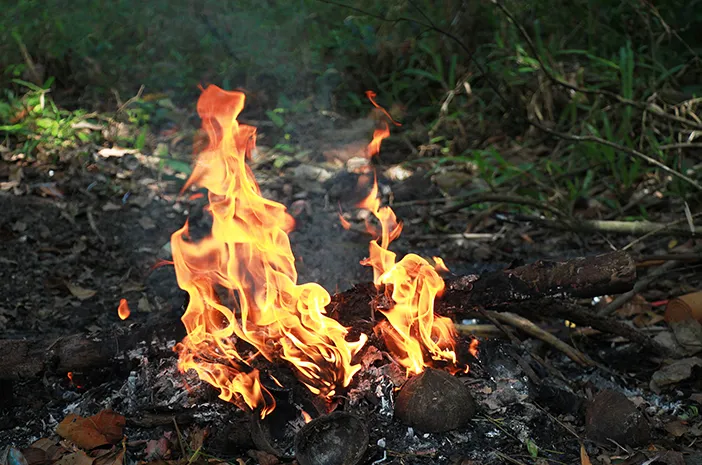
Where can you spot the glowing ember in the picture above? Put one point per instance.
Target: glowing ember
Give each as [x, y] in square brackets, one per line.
[123, 309]
[242, 279]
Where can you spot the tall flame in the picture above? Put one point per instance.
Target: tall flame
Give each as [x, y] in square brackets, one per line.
[242, 280]
[412, 328]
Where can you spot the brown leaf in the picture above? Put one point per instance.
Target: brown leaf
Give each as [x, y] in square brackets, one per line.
[80, 292]
[89, 433]
[76, 458]
[635, 306]
[677, 428]
[116, 457]
[110, 424]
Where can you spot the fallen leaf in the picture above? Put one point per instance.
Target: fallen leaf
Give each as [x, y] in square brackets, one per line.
[157, 449]
[115, 457]
[76, 458]
[115, 152]
[80, 292]
[110, 424]
[197, 438]
[89, 433]
[635, 306]
[677, 428]
[688, 333]
[674, 373]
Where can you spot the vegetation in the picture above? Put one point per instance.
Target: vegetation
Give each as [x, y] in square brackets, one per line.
[542, 102]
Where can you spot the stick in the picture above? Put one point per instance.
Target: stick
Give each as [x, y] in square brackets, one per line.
[530, 328]
[615, 227]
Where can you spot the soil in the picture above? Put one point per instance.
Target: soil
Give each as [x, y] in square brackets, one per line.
[80, 234]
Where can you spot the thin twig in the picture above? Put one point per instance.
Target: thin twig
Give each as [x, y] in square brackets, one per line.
[131, 100]
[93, 225]
[530, 328]
[614, 227]
[467, 201]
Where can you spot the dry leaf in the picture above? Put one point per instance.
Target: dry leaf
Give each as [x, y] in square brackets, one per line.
[89, 433]
[115, 152]
[677, 428]
[76, 458]
[80, 292]
[116, 457]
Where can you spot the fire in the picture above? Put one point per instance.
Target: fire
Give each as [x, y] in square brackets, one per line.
[123, 309]
[412, 329]
[242, 280]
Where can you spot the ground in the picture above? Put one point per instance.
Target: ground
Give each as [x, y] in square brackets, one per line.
[85, 231]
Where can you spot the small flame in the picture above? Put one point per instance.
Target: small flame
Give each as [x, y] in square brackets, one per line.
[242, 279]
[71, 378]
[344, 222]
[123, 309]
[306, 416]
[413, 284]
[378, 136]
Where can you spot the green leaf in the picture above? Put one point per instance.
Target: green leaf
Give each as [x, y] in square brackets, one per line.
[532, 448]
[423, 73]
[177, 165]
[30, 85]
[141, 139]
[275, 118]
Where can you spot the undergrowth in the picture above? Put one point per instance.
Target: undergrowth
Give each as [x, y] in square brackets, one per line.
[477, 78]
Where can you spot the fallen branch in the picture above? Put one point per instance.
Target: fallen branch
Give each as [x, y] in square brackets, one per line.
[614, 227]
[611, 273]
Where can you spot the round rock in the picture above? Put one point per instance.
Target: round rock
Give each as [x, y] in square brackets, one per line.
[434, 402]
[611, 415]
[335, 439]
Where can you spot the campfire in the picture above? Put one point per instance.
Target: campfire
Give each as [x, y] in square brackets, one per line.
[355, 377]
[247, 312]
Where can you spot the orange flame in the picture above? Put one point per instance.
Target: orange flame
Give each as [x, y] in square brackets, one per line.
[242, 279]
[306, 416]
[123, 309]
[413, 284]
[378, 136]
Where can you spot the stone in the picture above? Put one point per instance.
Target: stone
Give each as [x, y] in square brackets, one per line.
[434, 402]
[611, 415]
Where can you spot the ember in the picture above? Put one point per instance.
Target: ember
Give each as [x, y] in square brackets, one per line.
[123, 309]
